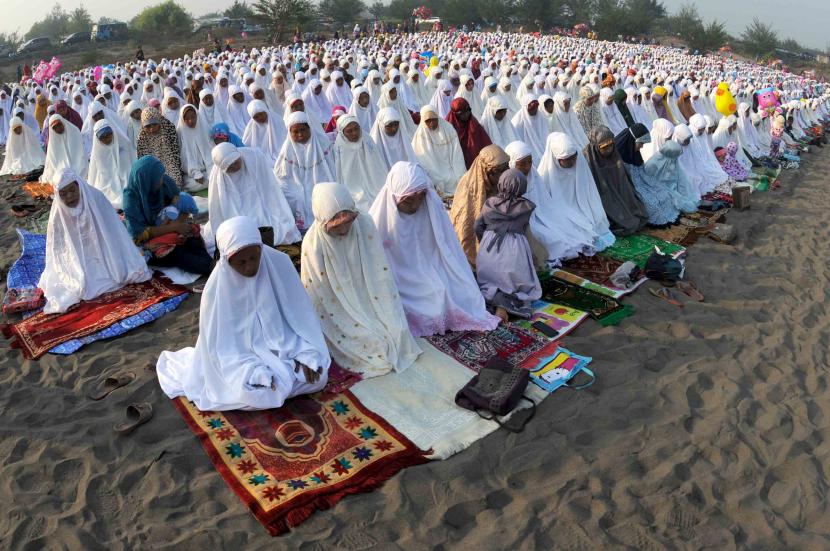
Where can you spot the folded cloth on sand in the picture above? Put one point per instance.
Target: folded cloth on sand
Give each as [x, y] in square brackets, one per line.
[603, 308]
[34, 336]
[638, 247]
[288, 462]
[163, 245]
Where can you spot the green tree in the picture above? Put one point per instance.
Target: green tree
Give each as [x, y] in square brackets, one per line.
[54, 25]
[402, 9]
[79, 21]
[579, 11]
[536, 14]
[342, 11]
[377, 10]
[238, 10]
[278, 15]
[11, 40]
[496, 11]
[759, 39]
[163, 19]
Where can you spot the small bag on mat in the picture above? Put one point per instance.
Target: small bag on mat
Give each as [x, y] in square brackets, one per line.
[497, 389]
[663, 268]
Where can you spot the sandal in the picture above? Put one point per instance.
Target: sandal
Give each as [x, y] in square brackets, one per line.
[110, 384]
[689, 289]
[137, 414]
[667, 295]
[198, 289]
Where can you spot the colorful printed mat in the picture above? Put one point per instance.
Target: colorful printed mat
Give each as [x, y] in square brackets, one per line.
[26, 271]
[34, 336]
[557, 369]
[558, 317]
[637, 248]
[286, 463]
[508, 341]
[603, 308]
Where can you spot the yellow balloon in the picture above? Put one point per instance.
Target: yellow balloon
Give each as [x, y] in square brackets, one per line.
[725, 101]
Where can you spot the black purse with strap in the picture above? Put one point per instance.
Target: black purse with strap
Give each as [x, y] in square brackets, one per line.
[497, 389]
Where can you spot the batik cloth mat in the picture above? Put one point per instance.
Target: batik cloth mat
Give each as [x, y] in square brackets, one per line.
[594, 272]
[638, 247]
[26, 272]
[286, 463]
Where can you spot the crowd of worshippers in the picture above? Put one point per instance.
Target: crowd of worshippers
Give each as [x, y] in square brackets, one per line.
[425, 193]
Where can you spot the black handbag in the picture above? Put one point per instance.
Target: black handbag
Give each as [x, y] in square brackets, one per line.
[497, 389]
[662, 267]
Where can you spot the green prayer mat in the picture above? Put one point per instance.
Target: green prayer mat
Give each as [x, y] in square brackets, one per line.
[603, 308]
[638, 247]
[200, 193]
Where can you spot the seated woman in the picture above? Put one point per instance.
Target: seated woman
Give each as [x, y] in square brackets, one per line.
[657, 199]
[568, 175]
[531, 126]
[242, 183]
[562, 233]
[346, 274]
[148, 191]
[265, 131]
[437, 287]
[88, 251]
[438, 150]
[664, 169]
[66, 150]
[496, 123]
[357, 163]
[158, 139]
[504, 265]
[221, 133]
[700, 157]
[624, 209]
[111, 161]
[389, 138]
[237, 111]
[195, 148]
[476, 186]
[471, 135]
[23, 152]
[305, 159]
[259, 341]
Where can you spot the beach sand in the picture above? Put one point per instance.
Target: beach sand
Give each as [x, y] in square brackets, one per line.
[708, 428]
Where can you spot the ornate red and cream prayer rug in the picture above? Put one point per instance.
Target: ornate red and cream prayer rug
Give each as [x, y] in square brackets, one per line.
[287, 463]
[36, 335]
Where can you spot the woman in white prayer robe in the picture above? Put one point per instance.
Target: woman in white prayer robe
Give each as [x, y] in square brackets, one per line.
[131, 119]
[237, 111]
[66, 150]
[362, 108]
[109, 165]
[496, 122]
[531, 125]
[569, 178]
[23, 151]
[357, 162]
[260, 341]
[436, 284]
[306, 158]
[563, 233]
[389, 139]
[241, 183]
[347, 276]
[438, 150]
[389, 97]
[565, 120]
[265, 131]
[88, 249]
[196, 148]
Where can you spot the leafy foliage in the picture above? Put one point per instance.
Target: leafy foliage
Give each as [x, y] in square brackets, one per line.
[760, 39]
[688, 25]
[163, 19]
[342, 11]
[238, 10]
[378, 10]
[59, 23]
[278, 15]
[10, 40]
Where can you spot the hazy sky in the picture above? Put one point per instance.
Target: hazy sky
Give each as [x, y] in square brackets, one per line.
[804, 20]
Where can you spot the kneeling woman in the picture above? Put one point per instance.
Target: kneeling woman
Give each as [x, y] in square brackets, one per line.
[436, 284]
[259, 341]
[88, 251]
[347, 276]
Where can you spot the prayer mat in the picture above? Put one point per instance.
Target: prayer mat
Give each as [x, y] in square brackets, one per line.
[558, 317]
[718, 196]
[558, 369]
[678, 234]
[637, 248]
[34, 336]
[597, 269]
[603, 289]
[508, 342]
[287, 463]
[39, 191]
[26, 270]
[603, 308]
[340, 379]
[200, 193]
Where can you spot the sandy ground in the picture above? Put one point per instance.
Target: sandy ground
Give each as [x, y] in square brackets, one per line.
[708, 428]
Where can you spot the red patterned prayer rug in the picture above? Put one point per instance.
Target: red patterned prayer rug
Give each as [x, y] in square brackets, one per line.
[509, 342]
[286, 463]
[34, 336]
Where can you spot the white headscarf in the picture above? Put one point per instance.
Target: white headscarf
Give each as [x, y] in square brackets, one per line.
[338, 95]
[574, 188]
[300, 166]
[439, 152]
[23, 152]
[612, 115]
[353, 290]
[500, 131]
[65, 151]
[442, 98]
[87, 133]
[365, 115]
[210, 115]
[267, 137]
[253, 331]
[171, 114]
[317, 103]
[532, 130]
[88, 249]
[472, 96]
[395, 148]
[109, 165]
[567, 122]
[132, 126]
[722, 137]
[436, 284]
[661, 132]
[385, 100]
[196, 148]
[747, 134]
[358, 165]
[237, 113]
[252, 191]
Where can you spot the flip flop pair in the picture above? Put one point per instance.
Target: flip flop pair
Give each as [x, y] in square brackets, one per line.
[689, 289]
[667, 295]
